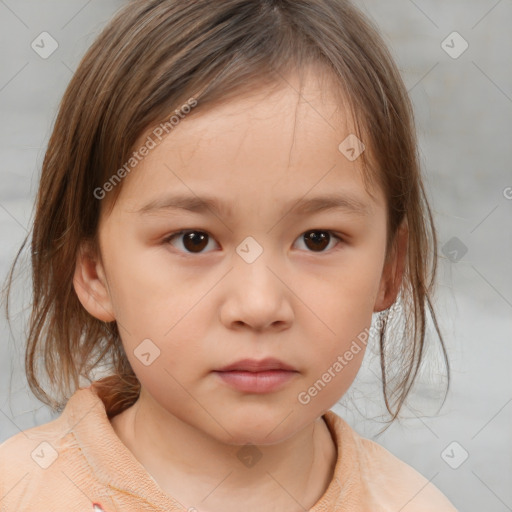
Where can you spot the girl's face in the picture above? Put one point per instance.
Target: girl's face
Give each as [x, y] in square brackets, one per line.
[268, 268]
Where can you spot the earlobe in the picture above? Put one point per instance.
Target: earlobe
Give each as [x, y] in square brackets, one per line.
[394, 268]
[91, 286]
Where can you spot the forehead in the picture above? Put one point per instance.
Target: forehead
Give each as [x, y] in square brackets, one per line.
[265, 145]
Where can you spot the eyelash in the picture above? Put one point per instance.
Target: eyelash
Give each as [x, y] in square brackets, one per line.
[169, 238]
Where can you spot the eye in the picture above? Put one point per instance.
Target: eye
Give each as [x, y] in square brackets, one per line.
[194, 241]
[317, 239]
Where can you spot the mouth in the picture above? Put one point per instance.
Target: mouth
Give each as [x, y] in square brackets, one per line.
[253, 365]
[253, 376]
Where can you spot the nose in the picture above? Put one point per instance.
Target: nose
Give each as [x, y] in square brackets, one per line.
[255, 297]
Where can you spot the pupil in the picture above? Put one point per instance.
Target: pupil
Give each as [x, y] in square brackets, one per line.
[195, 242]
[320, 239]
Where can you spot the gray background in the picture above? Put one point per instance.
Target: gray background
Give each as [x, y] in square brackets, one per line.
[464, 116]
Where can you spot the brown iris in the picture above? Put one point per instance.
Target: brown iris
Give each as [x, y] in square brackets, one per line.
[317, 240]
[195, 241]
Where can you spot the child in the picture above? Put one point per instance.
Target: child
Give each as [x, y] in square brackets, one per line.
[231, 190]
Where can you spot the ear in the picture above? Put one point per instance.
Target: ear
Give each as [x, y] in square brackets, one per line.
[394, 268]
[91, 285]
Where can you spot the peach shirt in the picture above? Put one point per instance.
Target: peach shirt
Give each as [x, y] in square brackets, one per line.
[76, 463]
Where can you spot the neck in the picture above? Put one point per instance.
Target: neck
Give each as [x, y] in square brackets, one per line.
[212, 476]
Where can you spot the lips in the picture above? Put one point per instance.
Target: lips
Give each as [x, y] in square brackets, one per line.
[253, 365]
[257, 376]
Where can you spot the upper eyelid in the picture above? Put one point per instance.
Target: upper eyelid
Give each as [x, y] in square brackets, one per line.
[194, 230]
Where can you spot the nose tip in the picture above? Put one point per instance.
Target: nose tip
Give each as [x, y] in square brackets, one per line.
[257, 299]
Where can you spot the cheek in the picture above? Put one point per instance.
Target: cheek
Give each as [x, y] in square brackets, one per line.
[141, 286]
[156, 312]
[335, 357]
[331, 383]
[342, 307]
[344, 296]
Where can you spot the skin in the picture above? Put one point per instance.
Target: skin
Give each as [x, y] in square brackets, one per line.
[299, 302]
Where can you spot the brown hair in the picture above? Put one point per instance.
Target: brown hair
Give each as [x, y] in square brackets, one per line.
[151, 58]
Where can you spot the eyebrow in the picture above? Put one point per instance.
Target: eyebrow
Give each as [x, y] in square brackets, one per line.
[346, 203]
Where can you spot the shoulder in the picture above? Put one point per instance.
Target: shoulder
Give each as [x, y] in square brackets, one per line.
[39, 461]
[32, 448]
[400, 483]
[389, 483]
[27, 457]
[23, 447]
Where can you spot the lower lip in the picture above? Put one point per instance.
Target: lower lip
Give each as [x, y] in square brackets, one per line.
[257, 382]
